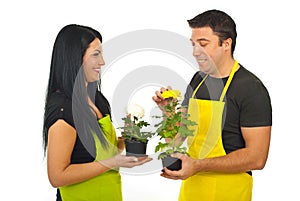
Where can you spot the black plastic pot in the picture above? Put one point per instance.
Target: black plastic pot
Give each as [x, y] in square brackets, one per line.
[171, 163]
[135, 148]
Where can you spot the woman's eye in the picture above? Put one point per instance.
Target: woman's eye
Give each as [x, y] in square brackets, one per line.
[95, 54]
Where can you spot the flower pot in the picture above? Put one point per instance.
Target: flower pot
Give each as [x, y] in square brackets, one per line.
[135, 148]
[171, 163]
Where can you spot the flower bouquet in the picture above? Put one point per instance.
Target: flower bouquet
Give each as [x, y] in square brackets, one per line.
[174, 128]
[132, 132]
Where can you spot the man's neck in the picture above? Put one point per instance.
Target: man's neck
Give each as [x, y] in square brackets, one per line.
[223, 69]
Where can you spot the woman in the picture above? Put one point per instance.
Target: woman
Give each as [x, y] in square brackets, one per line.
[82, 149]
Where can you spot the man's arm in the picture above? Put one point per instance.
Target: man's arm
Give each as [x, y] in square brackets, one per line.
[252, 157]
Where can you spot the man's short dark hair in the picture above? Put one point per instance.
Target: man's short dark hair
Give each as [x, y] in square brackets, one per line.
[220, 23]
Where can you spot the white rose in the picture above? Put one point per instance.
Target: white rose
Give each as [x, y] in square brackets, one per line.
[135, 110]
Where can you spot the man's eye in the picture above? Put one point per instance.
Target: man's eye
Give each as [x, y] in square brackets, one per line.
[203, 44]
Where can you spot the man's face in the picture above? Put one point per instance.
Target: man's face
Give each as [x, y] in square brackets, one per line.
[207, 50]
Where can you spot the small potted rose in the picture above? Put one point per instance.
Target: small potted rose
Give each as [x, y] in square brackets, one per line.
[133, 132]
[173, 129]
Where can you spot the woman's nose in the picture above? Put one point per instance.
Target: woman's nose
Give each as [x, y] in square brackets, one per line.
[101, 61]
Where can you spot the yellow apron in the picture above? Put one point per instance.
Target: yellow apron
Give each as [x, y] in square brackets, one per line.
[207, 143]
[106, 186]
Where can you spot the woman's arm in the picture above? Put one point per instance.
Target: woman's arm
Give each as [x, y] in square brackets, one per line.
[61, 172]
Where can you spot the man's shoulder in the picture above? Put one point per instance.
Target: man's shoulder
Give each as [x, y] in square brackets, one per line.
[246, 83]
[246, 77]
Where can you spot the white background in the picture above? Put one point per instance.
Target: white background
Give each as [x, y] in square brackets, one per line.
[267, 44]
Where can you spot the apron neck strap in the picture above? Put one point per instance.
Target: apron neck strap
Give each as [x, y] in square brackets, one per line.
[199, 85]
[235, 65]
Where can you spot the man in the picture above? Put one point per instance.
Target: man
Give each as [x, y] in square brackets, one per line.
[233, 110]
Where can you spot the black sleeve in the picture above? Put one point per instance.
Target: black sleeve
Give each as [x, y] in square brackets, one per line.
[256, 108]
[58, 108]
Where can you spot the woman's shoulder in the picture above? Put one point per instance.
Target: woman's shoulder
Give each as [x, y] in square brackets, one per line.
[58, 107]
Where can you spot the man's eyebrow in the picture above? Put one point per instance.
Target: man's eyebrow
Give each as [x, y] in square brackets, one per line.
[200, 39]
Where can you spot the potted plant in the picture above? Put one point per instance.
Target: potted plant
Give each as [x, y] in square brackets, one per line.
[132, 132]
[174, 128]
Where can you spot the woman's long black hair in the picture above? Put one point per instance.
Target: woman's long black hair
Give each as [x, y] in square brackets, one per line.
[67, 78]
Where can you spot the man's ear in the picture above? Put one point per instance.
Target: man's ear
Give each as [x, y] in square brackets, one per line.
[227, 44]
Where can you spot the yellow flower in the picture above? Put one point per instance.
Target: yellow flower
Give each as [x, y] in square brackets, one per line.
[171, 94]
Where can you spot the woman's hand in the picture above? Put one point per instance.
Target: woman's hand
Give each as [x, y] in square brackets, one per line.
[124, 161]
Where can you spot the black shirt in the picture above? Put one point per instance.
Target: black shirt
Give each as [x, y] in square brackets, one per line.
[60, 107]
[247, 103]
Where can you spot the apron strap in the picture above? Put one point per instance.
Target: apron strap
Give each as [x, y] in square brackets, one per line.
[199, 86]
[235, 65]
[229, 80]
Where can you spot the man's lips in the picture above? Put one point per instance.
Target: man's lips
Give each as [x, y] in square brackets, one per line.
[201, 60]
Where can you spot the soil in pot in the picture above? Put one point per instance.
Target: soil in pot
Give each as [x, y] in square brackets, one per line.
[171, 163]
[135, 148]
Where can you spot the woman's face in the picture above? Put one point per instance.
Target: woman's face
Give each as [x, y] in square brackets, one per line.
[93, 60]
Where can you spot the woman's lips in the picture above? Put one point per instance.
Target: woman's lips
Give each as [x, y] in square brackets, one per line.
[97, 70]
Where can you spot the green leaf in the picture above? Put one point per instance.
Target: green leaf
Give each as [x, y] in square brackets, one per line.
[161, 146]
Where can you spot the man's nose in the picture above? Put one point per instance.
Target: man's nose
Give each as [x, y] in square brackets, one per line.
[197, 49]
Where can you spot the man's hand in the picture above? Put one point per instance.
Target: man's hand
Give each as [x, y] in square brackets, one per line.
[158, 99]
[189, 168]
